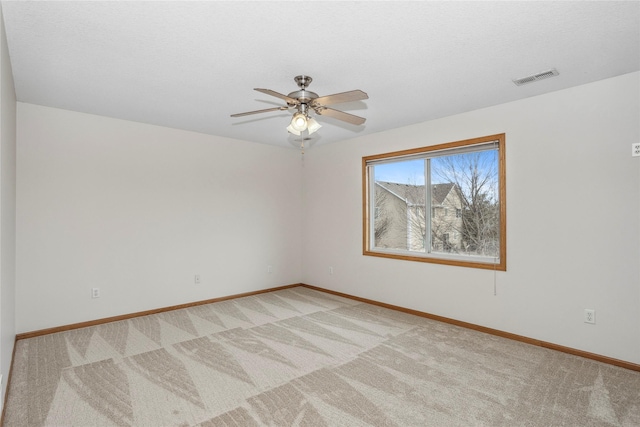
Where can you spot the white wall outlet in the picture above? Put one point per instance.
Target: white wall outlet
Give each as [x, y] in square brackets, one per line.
[95, 292]
[589, 316]
[635, 149]
[269, 269]
[196, 279]
[330, 270]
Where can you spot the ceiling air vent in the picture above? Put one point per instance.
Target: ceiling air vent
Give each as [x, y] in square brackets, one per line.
[536, 77]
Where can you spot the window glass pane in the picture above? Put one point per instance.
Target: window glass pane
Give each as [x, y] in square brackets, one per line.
[399, 205]
[465, 204]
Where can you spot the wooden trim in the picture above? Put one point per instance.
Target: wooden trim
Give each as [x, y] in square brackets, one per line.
[496, 332]
[502, 180]
[445, 146]
[64, 328]
[502, 174]
[365, 207]
[433, 260]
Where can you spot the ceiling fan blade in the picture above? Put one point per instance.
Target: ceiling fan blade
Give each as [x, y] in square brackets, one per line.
[341, 115]
[336, 98]
[260, 111]
[289, 100]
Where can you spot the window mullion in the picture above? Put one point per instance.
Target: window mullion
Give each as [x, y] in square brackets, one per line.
[372, 206]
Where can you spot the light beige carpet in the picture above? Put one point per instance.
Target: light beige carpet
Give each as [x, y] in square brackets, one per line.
[300, 357]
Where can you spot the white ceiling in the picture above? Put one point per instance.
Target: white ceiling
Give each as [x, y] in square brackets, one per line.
[189, 65]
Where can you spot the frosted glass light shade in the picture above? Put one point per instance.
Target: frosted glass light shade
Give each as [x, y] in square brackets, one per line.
[312, 125]
[292, 130]
[299, 122]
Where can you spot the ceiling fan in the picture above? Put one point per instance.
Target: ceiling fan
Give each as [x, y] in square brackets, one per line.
[305, 101]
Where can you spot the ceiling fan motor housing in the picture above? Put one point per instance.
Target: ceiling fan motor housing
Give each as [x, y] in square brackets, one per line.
[303, 96]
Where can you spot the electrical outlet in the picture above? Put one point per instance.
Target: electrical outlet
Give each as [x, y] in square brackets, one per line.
[95, 292]
[635, 149]
[330, 270]
[269, 269]
[589, 316]
[196, 279]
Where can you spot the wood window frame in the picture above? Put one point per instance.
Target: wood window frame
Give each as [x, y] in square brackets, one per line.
[500, 264]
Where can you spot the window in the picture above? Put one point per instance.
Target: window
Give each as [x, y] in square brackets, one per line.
[411, 197]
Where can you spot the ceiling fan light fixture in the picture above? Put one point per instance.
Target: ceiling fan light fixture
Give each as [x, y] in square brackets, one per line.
[299, 122]
[312, 125]
[290, 129]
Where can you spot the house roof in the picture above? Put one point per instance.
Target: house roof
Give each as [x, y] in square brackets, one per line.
[441, 191]
[414, 194]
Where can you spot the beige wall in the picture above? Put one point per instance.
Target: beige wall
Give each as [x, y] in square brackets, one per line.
[138, 210]
[569, 172]
[7, 210]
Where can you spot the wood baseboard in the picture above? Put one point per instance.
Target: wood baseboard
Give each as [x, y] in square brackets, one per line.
[496, 332]
[56, 329]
